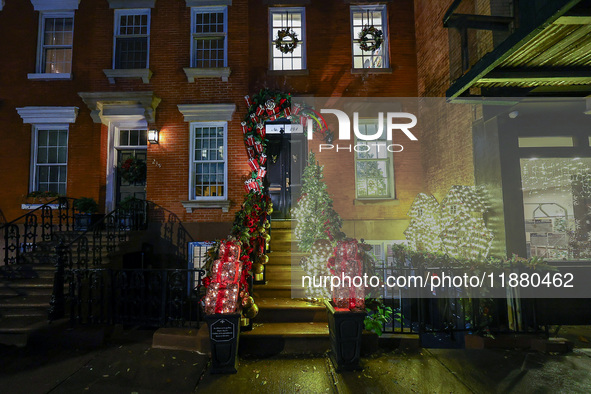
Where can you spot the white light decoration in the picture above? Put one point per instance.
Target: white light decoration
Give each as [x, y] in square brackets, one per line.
[425, 225]
[456, 227]
[316, 266]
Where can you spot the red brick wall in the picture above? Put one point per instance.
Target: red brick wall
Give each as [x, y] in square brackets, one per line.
[447, 133]
[329, 64]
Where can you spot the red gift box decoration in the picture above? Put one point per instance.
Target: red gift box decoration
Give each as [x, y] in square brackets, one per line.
[258, 147]
[260, 110]
[223, 290]
[254, 118]
[347, 263]
[250, 140]
[244, 128]
[262, 159]
[254, 165]
[248, 101]
[261, 130]
[250, 151]
[261, 172]
[287, 112]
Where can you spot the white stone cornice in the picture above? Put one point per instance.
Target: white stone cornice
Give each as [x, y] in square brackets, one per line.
[55, 5]
[207, 3]
[108, 107]
[207, 112]
[118, 4]
[43, 115]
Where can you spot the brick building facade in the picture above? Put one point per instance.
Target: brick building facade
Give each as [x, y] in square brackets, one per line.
[103, 100]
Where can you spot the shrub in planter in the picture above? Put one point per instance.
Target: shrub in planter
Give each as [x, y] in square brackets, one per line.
[86, 207]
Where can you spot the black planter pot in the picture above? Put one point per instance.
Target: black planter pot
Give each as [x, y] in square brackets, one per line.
[83, 221]
[345, 337]
[224, 330]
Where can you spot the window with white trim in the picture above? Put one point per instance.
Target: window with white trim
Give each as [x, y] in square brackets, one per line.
[50, 158]
[132, 39]
[364, 16]
[56, 36]
[209, 31]
[290, 20]
[374, 172]
[209, 165]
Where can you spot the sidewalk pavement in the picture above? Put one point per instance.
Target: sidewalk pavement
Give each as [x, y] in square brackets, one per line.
[128, 364]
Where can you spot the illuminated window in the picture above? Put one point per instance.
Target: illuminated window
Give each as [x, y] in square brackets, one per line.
[208, 161]
[209, 31]
[557, 201]
[374, 177]
[50, 159]
[290, 20]
[367, 16]
[55, 43]
[132, 39]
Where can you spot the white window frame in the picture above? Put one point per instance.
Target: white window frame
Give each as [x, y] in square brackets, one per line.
[40, 67]
[302, 39]
[385, 44]
[194, 35]
[34, 148]
[133, 11]
[192, 173]
[389, 164]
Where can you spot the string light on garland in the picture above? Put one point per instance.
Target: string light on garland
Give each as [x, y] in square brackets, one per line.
[467, 237]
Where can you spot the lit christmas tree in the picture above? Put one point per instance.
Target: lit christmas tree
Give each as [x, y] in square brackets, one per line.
[318, 225]
[315, 216]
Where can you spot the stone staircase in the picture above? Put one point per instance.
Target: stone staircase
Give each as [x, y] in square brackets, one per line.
[286, 322]
[26, 289]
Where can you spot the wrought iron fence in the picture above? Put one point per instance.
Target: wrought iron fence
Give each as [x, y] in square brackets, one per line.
[452, 311]
[143, 297]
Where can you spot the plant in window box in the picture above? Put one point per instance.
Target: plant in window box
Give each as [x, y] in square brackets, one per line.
[40, 197]
[133, 170]
[85, 207]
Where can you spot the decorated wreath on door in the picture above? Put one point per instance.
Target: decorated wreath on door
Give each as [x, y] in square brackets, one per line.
[133, 170]
[370, 38]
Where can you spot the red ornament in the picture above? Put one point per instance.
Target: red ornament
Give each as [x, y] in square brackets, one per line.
[262, 159]
[260, 110]
[248, 101]
[250, 140]
[254, 165]
[244, 128]
[258, 147]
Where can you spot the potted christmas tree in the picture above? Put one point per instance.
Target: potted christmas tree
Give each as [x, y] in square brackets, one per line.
[84, 218]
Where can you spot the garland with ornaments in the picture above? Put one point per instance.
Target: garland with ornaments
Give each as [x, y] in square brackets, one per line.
[231, 262]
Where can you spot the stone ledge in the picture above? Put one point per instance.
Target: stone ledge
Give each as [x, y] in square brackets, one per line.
[190, 339]
[221, 72]
[50, 76]
[195, 204]
[144, 73]
[371, 71]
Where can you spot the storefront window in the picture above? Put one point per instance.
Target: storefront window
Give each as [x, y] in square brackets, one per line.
[557, 207]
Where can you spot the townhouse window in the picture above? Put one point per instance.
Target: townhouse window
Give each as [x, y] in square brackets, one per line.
[50, 158]
[209, 32]
[374, 56]
[209, 161]
[374, 172]
[289, 20]
[56, 34]
[131, 39]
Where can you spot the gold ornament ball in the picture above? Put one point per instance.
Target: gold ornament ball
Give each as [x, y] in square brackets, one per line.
[247, 302]
[267, 224]
[252, 311]
[258, 268]
[264, 259]
[270, 210]
[261, 229]
[267, 237]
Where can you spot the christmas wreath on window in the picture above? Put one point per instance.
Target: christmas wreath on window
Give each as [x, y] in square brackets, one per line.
[133, 170]
[286, 41]
[370, 38]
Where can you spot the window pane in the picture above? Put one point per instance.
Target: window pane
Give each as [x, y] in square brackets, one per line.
[556, 198]
[131, 53]
[292, 20]
[209, 154]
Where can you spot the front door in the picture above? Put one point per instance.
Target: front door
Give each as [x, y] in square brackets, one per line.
[285, 163]
[131, 144]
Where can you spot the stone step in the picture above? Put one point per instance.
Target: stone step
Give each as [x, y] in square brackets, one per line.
[283, 245]
[21, 324]
[283, 272]
[281, 224]
[277, 291]
[285, 257]
[33, 301]
[283, 310]
[25, 312]
[28, 290]
[285, 338]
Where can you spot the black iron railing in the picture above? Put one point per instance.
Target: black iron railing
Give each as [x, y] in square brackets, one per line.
[450, 310]
[142, 297]
[27, 232]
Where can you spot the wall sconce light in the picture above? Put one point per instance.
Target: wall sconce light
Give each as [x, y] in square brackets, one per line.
[153, 136]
